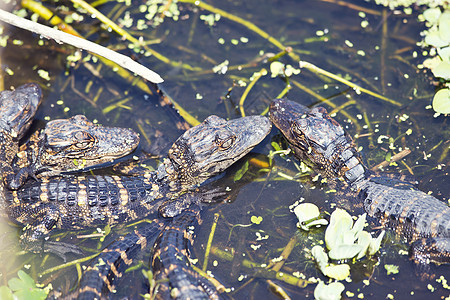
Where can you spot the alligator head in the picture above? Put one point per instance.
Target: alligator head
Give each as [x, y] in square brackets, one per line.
[72, 144]
[212, 146]
[18, 107]
[315, 136]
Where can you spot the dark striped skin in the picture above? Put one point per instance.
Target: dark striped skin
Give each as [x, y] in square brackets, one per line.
[171, 264]
[99, 279]
[74, 144]
[17, 110]
[420, 218]
[85, 201]
[78, 202]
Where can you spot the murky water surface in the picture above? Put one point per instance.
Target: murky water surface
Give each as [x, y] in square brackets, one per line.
[379, 57]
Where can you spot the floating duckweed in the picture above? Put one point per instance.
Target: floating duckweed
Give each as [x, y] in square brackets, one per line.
[348, 43]
[256, 220]
[60, 102]
[243, 39]
[221, 68]
[430, 287]
[391, 269]
[221, 41]
[66, 109]
[210, 19]
[9, 71]
[43, 74]
[349, 294]
[234, 41]
[360, 296]
[255, 247]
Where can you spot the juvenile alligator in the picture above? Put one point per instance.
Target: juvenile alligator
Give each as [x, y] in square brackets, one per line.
[62, 146]
[413, 214]
[86, 201]
[67, 145]
[206, 149]
[17, 109]
[170, 263]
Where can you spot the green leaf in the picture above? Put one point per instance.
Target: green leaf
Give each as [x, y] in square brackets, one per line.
[375, 244]
[256, 220]
[331, 291]
[441, 101]
[241, 172]
[364, 240]
[307, 215]
[5, 293]
[275, 146]
[338, 272]
[434, 39]
[442, 70]
[391, 269]
[276, 68]
[344, 251]
[444, 26]
[444, 53]
[340, 223]
[432, 15]
[359, 225]
[320, 256]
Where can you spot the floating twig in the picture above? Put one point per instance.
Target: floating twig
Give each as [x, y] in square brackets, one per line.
[62, 37]
[394, 158]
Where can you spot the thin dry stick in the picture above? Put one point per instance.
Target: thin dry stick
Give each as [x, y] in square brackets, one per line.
[62, 37]
[396, 157]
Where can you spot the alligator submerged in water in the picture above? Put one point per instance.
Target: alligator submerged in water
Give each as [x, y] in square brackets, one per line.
[208, 148]
[81, 201]
[421, 218]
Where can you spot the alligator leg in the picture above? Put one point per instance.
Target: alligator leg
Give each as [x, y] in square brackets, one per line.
[100, 277]
[40, 220]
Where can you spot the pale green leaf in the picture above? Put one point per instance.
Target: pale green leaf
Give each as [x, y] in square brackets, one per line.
[444, 26]
[444, 53]
[432, 63]
[344, 251]
[364, 240]
[338, 272]
[442, 70]
[432, 15]
[320, 256]
[318, 222]
[434, 39]
[331, 291]
[375, 244]
[306, 212]
[5, 293]
[441, 101]
[359, 224]
[340, 222]
[276, 68]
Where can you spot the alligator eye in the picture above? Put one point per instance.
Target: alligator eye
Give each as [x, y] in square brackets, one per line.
[225, 144]
[83, 140]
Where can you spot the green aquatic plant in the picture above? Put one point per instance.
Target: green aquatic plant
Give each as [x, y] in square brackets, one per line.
[23, 287]
[344, 240]
[438, 37]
